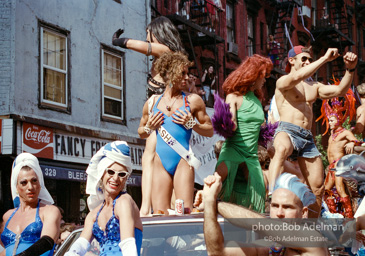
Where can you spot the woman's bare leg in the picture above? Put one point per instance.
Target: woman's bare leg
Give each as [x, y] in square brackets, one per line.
[147, 173]
[161, 187]
[184, 184]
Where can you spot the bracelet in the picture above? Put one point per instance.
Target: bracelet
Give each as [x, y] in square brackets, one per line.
[148, 130]
[357, 143]
[149, 50]
[351, 70]
[190, 124]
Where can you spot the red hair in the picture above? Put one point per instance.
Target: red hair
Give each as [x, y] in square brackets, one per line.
[246, 74]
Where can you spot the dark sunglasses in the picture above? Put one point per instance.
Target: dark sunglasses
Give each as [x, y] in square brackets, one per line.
[305, 58]
[111, 172]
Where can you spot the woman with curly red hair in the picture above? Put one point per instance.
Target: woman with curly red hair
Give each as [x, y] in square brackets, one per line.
[238, 163]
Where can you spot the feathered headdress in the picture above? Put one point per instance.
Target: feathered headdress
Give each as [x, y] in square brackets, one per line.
[341, 108]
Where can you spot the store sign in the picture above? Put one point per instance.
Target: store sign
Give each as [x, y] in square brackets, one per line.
[38, 140]
[60, 173]
[80, 149]
[58, 145]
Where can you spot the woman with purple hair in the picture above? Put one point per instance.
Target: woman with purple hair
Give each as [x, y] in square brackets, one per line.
[238, 163]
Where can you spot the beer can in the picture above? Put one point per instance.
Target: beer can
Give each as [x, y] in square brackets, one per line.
[179, 207]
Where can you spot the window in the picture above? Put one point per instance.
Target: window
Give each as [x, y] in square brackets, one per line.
[231, 37]
[112, 78]
[54, 68]
[250, 34]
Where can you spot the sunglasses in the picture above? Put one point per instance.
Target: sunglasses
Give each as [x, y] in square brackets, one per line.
[305, 58]
[111, 172]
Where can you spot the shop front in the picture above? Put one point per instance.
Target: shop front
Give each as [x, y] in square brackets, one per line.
[63, 157]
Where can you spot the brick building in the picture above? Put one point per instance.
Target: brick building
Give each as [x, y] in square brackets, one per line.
[224, 32]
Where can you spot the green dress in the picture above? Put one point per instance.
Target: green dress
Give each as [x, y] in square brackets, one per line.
[240, 187]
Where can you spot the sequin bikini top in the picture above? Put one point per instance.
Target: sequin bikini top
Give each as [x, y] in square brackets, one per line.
[112, 229]
[30, 234]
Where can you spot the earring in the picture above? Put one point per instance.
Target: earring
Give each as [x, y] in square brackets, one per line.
[171, 85]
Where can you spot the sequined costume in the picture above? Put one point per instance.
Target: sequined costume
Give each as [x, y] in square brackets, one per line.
[28, 237]
[110, 238]
[169, 158]
[242, 148]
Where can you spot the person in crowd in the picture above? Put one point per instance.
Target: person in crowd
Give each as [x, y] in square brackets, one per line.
[114, 217]
[360, 112]
[174, 161]
[33, 227]
[162, 36]
[238, 163]
[273, 49]
[65, 231]
[289, 200]
[294, 98]
[191, 88]
[208, 81]
[341, 142]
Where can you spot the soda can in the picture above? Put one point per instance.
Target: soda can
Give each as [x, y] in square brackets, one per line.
[179, 207]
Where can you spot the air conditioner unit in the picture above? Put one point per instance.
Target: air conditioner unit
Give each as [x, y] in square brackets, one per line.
[232, 48]
[306, 11]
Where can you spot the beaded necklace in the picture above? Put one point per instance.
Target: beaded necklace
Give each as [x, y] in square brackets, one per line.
[337, 132]
[281, 250]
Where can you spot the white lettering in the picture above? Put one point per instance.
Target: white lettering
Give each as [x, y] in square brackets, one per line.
[42, 136]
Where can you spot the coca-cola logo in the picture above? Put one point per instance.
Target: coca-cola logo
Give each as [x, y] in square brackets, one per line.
[41, 136]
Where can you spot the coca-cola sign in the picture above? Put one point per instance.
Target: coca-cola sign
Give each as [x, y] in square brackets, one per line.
[38, 140]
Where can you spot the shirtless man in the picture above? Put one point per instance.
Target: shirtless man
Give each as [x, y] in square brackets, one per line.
[295, 97]
[289, 200]
[340, 143]
[360, 112]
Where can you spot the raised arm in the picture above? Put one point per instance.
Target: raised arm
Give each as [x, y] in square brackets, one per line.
[295, 76]
[147, 48]
[330, 91]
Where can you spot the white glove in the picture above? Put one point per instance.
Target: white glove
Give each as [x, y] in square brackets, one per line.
[128, 246]
[79, 247]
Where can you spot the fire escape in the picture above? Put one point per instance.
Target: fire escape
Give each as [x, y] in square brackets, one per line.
[199, 30]
[333, 30]
[281, 25]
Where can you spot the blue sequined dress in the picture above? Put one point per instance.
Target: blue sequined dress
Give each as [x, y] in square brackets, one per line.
[110, 238]
[30, 235]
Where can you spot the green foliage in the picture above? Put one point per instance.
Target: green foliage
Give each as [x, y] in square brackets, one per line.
[318, 140]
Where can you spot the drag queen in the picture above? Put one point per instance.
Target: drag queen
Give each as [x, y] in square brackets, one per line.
[174, 161]
[238, 163]
[114, 217]
[162, 36]
[33, 226]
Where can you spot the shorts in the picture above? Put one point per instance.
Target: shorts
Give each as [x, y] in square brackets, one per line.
[302, 139]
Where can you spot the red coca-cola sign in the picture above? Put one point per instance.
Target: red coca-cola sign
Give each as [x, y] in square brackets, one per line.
[38, 140]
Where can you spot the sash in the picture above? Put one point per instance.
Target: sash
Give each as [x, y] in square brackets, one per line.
[188, 156]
